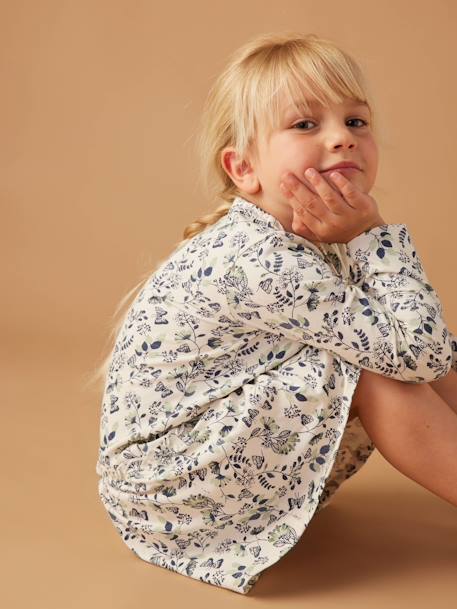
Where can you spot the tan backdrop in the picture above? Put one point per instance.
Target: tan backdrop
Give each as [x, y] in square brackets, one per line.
[100, 101]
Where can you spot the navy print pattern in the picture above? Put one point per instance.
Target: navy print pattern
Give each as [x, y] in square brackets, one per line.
[224, 424]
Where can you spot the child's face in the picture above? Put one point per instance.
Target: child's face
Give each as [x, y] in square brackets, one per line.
[318, 139]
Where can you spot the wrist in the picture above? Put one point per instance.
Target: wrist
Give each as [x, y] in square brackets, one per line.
[378, 222]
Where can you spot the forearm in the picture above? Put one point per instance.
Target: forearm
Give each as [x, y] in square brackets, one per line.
[384, 262]
[446, 386]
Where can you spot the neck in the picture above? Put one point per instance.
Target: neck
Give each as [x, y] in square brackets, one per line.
[281, 211]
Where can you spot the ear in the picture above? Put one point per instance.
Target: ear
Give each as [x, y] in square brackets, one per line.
[240, 171]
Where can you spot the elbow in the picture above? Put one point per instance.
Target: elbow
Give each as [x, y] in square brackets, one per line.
[448, 360]
[431, 366]
[442, 371]
[446, 357]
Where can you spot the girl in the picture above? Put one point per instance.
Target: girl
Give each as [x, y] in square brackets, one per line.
[289, 334]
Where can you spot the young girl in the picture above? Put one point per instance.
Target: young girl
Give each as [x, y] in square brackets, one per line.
[290, 333]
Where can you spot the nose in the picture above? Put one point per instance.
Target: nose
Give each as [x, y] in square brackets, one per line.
[340, 137]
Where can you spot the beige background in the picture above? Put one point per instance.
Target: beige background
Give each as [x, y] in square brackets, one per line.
[99, 105]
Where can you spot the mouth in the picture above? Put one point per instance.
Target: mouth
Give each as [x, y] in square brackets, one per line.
[343, 170]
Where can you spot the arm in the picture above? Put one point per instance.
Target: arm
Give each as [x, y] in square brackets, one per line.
[282, 284]
[381, 285]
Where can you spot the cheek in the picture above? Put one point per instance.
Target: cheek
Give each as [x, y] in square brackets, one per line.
[374, 164]
[371, 167]
[373, 152]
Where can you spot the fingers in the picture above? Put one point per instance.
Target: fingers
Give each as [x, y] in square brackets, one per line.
[312, 225]
[302, 199]
[301, 229]
[322, 197]
[331, 209]
[329, 190]
[346, 188]
[325, 194]
[316, 208]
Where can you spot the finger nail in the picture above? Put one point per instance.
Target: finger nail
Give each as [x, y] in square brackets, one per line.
[285, 190]
[290, 180]
[310, 173]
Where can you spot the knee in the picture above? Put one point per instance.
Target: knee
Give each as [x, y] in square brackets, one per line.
[373, 387]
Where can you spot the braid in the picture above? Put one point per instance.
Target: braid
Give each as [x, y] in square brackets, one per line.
[206, 220]
[190, 231]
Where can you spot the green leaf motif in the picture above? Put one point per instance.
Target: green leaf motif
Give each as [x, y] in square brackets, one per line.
[283, 535]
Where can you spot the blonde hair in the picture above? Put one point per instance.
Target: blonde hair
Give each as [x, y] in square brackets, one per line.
[243, 104]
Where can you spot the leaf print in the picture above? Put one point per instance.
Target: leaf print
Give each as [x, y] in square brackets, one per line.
[285, 442]
[199, 502]
[249, 349]
[126, 342]
[283, 535]
[278, 262]
[132, 401]
[237, 278]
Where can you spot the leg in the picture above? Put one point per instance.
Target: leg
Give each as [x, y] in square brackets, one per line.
[353, 411]
[446, 388]
[413, 428]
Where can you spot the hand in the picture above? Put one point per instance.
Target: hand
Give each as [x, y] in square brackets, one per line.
[334, 211]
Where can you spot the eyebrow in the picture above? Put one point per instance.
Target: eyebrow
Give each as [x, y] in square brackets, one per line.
[315, 103]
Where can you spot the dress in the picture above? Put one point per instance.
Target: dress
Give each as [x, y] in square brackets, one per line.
[224, 424]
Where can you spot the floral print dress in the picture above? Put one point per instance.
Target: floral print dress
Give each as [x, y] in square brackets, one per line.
[224, 424]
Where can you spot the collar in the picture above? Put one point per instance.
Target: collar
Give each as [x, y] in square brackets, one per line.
[249, 211]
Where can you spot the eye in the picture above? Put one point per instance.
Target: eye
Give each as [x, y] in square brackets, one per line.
[364, 122]
[302, 122]
[361, 120]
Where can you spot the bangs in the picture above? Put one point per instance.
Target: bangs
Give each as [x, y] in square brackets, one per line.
[262, 80]
[297, 78]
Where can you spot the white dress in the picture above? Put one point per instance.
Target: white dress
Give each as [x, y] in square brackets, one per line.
[224, 424]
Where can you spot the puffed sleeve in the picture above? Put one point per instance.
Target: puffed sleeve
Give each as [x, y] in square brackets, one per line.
[386, 317]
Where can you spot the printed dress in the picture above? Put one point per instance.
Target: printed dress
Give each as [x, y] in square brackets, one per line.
[224, 424]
